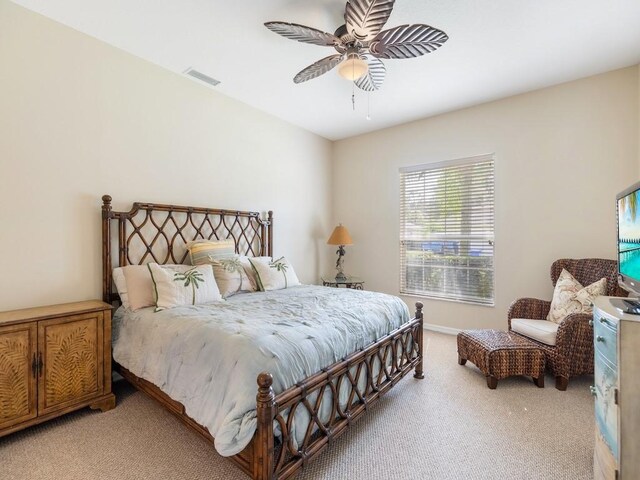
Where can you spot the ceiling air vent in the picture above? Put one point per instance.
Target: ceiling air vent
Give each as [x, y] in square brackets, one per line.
[201, 76]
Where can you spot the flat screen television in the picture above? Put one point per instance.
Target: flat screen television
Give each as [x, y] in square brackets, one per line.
[629, 242]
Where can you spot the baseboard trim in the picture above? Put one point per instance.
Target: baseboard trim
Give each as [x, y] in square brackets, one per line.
[441, 329]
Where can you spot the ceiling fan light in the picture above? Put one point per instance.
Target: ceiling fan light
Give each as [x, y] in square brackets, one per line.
[353, 68]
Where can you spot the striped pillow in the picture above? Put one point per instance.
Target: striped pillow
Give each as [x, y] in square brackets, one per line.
[203, 252]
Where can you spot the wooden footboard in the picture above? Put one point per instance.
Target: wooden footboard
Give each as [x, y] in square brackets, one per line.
[363, 377]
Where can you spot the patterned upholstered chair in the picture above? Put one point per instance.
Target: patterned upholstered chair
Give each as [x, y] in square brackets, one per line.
[572, 353]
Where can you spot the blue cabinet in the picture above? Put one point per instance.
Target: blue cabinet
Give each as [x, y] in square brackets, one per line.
[606, 378]
[616, 389]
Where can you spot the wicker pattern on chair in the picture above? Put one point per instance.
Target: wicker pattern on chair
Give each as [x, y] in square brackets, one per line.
[573, 353]
[501, 354]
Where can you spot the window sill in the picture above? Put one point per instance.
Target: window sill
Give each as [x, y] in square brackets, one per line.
[450, 300]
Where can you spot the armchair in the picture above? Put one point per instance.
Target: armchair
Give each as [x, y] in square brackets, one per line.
[573, 352]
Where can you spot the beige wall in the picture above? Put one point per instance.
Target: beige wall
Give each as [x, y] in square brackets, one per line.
[79, 118]
[561, 153]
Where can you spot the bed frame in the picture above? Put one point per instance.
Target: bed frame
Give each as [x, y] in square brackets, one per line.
[159, 233]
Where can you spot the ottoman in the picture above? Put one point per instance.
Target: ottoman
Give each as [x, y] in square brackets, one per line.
[500, 354]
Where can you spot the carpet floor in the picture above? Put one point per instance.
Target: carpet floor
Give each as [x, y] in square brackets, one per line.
[448, 426]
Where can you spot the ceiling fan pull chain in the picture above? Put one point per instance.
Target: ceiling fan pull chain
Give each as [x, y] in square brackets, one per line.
[353, 96]
[368, 105]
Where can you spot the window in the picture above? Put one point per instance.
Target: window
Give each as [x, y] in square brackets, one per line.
[447, 230]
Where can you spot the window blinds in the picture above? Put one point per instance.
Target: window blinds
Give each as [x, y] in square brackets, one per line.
[447, 230]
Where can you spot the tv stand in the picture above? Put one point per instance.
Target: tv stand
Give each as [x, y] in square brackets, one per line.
[629, 306]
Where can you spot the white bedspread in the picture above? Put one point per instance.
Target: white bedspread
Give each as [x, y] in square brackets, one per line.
[208, 356]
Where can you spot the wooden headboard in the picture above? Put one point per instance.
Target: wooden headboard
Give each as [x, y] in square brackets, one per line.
[150, 232]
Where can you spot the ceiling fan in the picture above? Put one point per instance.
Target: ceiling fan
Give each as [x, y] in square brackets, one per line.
[361, 43]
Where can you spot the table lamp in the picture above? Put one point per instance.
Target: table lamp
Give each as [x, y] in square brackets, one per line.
[340, 237]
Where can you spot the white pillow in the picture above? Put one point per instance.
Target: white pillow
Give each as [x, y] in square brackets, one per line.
[121, 286]
[231, 276]
[134, 286]
[274, 275]
[569, 296]
[249, 270]
[177, 285]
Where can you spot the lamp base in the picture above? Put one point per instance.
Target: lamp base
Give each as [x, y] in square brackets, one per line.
[341, 277]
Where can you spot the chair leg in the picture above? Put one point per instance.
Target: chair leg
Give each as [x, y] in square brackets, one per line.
[539, 381]
[492, 382]
[561, 383]
[461, 361]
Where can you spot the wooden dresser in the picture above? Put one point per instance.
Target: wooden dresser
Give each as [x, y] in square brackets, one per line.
[616, 392]
[54, 360]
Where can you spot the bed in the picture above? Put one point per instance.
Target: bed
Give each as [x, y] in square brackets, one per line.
[297, 410]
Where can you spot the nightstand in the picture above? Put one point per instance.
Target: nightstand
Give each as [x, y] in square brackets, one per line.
[351, 282]
[54, 360]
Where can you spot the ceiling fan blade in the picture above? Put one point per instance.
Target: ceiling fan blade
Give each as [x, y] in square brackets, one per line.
[318, 68]
[374, 77]
[407, 41]
[303, 34]
[365, 18]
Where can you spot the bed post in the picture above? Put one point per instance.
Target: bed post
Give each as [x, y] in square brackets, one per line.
[263, 460]
[419, 367]
[106, 248]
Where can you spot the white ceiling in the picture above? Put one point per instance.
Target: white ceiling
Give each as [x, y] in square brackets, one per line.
[496, 48]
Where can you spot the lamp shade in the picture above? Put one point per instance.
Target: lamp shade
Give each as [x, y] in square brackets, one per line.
[340, 236]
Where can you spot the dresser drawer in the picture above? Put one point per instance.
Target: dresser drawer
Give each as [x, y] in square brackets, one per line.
[605, 337]
[606, 382]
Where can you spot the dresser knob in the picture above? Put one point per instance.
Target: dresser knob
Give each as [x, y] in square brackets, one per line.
[599, 338]
[594, 391]
[606, 322]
